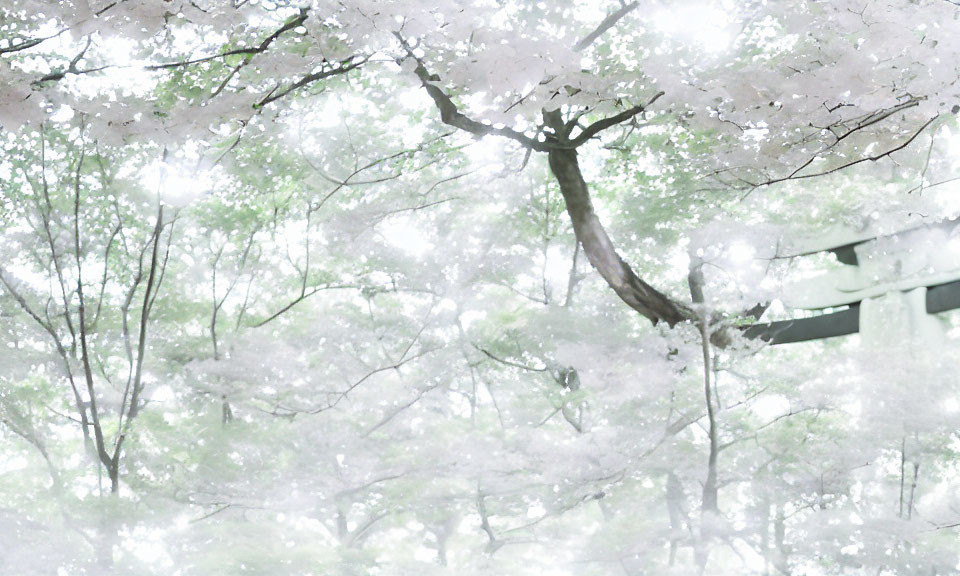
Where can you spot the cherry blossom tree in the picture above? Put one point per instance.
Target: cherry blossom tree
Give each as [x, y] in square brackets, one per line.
[373, 286]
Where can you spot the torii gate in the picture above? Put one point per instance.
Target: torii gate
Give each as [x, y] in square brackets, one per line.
[892, 284]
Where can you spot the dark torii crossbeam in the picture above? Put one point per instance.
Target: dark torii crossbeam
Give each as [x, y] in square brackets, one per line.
[905, 277]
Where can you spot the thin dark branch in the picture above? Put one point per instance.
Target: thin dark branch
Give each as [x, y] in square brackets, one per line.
[259, 49]
[609, 22]
[844, 166]
[399, 409]
[450, 114]
[511, 363]
[303, 296]
[26, 43]
[341, 67]
[601, 125]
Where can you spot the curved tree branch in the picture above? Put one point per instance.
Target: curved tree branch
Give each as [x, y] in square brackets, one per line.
[562, 156]
[600, 250]
[609, 22]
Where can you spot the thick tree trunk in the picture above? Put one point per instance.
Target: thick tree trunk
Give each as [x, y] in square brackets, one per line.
[600, 250]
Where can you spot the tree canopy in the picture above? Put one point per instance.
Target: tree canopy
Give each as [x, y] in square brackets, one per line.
[407, 287]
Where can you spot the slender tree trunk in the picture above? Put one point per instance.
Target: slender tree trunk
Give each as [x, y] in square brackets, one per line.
[709, 502]
[342, 531]
[710, 485]
[695, 280]
[765, 533]
[903, 473]
[779, 540]
[82, 326]
[226, 412]
[574, 277]
[144, 318]
[107, 535]
[913, 490]
[675, 508]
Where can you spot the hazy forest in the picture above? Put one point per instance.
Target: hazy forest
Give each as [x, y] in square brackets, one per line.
[479, 287]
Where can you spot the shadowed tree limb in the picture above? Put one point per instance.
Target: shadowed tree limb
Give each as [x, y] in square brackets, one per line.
[562, 156]
[599, 248]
